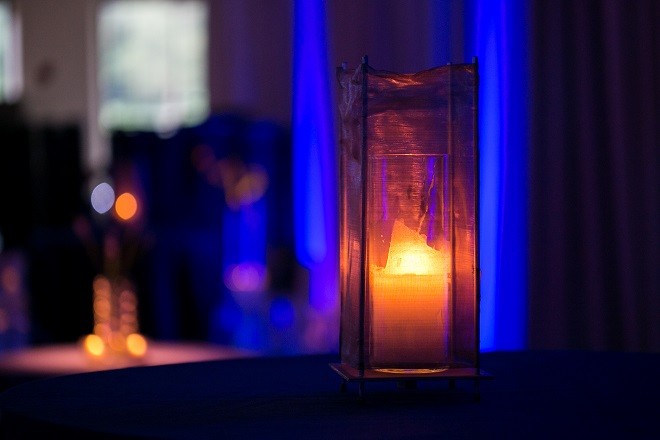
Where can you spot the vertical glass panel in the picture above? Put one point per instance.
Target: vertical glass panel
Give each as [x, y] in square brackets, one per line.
[464, 198]
[414, 239]
[351, 253]
[409, 260]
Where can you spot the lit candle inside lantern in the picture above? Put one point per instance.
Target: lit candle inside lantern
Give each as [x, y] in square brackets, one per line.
[409, 308]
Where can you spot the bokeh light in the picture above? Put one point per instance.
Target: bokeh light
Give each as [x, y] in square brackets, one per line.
[251, 186]
[136, 344]
[126, 206]
[103, 197]
[94, 345]
[102, 308]
[245, 277]
[102, 330]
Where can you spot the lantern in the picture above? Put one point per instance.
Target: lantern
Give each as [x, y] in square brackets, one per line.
[409, 272]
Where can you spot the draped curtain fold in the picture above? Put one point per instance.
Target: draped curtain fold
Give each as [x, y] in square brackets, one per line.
[595, 186]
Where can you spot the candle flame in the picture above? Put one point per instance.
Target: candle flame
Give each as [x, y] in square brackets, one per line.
[409, 254]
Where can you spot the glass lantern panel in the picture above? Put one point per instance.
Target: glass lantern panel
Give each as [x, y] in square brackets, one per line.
[409, 260]
[408, 246]
[351, 252]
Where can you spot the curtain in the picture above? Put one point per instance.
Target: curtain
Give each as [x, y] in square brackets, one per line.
[594, 181]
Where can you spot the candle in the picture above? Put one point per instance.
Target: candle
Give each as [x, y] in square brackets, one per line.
[408, 298]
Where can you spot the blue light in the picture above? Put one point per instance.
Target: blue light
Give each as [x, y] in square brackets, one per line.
[496, 32]
[315, 198]
[489, 166]
[229, 316]
[282, 313]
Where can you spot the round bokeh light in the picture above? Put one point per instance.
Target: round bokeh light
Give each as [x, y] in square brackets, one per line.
[126, 206]
[103, 197]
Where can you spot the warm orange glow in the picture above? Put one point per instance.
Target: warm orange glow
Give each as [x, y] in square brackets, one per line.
[117, 342]
[102, 329]
[127, 302]
[115, 320]
[94, 345]
[102, 308]
[126, 206]
[102, 285]
[136, 344]
[409, 254]
[409, 300]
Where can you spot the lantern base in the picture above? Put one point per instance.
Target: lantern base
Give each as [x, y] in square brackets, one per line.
[407, 371]
[451, 374]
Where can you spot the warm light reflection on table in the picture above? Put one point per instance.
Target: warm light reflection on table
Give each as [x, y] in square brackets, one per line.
[60, 359]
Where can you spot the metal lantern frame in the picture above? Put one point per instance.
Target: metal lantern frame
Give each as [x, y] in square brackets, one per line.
[378, 112]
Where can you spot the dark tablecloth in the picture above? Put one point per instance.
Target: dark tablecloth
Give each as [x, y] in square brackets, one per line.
[534, 395]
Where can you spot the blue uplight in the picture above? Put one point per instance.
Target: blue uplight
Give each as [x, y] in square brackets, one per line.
[496, 32]
[315, 199]
[229, 316]
[282, 313]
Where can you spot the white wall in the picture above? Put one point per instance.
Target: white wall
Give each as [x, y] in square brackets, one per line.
[251, 56]
[250, 44]
[54, 60]
[59, 50]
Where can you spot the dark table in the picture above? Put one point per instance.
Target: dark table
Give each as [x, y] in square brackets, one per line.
[534, 395]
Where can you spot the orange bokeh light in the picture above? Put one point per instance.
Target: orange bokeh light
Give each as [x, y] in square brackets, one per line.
[94, 345]
[126, 206]
[136, 344]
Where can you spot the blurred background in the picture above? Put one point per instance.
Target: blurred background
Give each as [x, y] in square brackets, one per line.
[189, 145]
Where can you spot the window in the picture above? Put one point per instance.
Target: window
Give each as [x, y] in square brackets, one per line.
[10, 61]
[153, 64]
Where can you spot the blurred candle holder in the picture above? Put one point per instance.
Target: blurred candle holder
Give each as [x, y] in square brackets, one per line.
[115, 320]
[115, 338]
[409, 246]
